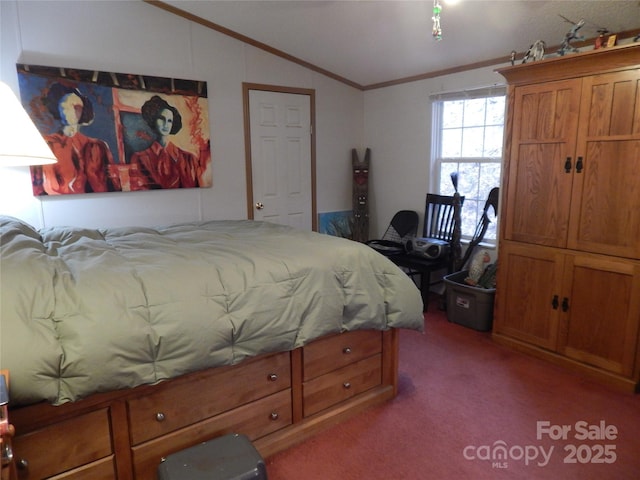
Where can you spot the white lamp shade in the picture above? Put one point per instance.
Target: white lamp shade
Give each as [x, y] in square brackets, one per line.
[21, 143]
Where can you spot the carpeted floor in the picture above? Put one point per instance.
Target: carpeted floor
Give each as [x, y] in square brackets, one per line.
[463, 400]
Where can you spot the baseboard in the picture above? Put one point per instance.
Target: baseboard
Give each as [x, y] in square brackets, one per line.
[609, 379]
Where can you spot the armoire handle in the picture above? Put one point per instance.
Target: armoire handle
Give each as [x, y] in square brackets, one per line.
[567, 165]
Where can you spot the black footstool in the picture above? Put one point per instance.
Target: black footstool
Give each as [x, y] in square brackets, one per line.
[231, 457]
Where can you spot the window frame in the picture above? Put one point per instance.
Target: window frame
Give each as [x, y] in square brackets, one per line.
[436, 159]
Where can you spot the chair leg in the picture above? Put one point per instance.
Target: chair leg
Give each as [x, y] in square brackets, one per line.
[425, 284]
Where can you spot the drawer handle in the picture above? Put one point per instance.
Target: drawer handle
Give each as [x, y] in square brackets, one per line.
[346, 385]
[274, 416]
[272, 377]
[7, 454]
[23, 464]
[565, 304]
[346, 350]
[160, 417]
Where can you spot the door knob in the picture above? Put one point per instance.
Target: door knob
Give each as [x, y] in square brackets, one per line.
[259, 205]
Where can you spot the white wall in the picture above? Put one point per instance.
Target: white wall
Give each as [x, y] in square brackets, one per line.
[397, 125]
[134, 37]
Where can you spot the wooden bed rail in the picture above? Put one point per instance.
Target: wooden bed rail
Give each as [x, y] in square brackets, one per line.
[277, 400]
[7, 465]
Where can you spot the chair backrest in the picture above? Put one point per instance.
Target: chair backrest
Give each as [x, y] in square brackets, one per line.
[439, 216]
[403, 224]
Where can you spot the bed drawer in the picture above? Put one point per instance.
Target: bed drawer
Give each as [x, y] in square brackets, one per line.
[206, 394]
[334, 387]
[64, 446]
[100, 470]
[333, 352]
[255, 420]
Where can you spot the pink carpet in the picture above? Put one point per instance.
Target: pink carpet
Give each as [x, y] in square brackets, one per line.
[461, 397]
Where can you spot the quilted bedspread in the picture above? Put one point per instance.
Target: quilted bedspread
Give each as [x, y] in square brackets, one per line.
[92, 310]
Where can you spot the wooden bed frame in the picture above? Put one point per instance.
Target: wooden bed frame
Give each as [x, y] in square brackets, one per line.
[277, 400]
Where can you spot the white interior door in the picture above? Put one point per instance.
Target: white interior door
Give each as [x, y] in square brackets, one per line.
[280, 126]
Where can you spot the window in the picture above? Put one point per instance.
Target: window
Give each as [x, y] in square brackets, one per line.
[468, 129]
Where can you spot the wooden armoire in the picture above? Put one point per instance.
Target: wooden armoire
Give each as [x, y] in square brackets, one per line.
[568, 287]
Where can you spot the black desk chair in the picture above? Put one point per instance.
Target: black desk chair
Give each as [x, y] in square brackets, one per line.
[404, 225]
[439, 223]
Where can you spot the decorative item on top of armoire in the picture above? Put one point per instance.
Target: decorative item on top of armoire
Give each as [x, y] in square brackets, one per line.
[535, 52]
[571, 35]
[360, 228]
[601, 40]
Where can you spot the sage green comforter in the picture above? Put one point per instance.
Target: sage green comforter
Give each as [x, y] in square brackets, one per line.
[86, 311]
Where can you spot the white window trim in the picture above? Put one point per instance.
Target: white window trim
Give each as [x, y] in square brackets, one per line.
[436, 127]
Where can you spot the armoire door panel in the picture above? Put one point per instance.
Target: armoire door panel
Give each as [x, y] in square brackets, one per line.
[613, 103]
[604, 311]
[529, 310]
[540, 195]
[547, 112]
[605, 216]
[541, 157]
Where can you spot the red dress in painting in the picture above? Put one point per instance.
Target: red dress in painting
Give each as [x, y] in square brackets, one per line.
[164, 167]
[82, 167]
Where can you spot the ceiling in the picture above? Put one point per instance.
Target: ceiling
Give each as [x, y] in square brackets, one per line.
[367, 43]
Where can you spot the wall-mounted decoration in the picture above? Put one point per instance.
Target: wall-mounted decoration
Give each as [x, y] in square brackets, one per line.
[117, 132]
[337, 224]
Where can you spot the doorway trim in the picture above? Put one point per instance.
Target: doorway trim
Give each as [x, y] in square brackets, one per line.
[246, 88]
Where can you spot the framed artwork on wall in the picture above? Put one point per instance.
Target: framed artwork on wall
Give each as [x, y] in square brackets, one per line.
[337, 223]
[114, 132]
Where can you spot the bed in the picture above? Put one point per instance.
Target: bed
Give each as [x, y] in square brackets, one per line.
[142, 341]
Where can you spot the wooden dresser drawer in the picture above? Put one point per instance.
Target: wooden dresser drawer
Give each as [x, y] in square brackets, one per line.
[101, 470]
[203, 395]
[334, 387]
[333, 352]
[255, 420]
[71, 447]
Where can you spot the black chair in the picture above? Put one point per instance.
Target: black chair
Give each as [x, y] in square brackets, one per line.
[404, 225]
[439, 224]
[483, 224]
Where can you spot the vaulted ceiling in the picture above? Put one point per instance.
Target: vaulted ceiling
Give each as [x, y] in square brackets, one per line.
[368, 43]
